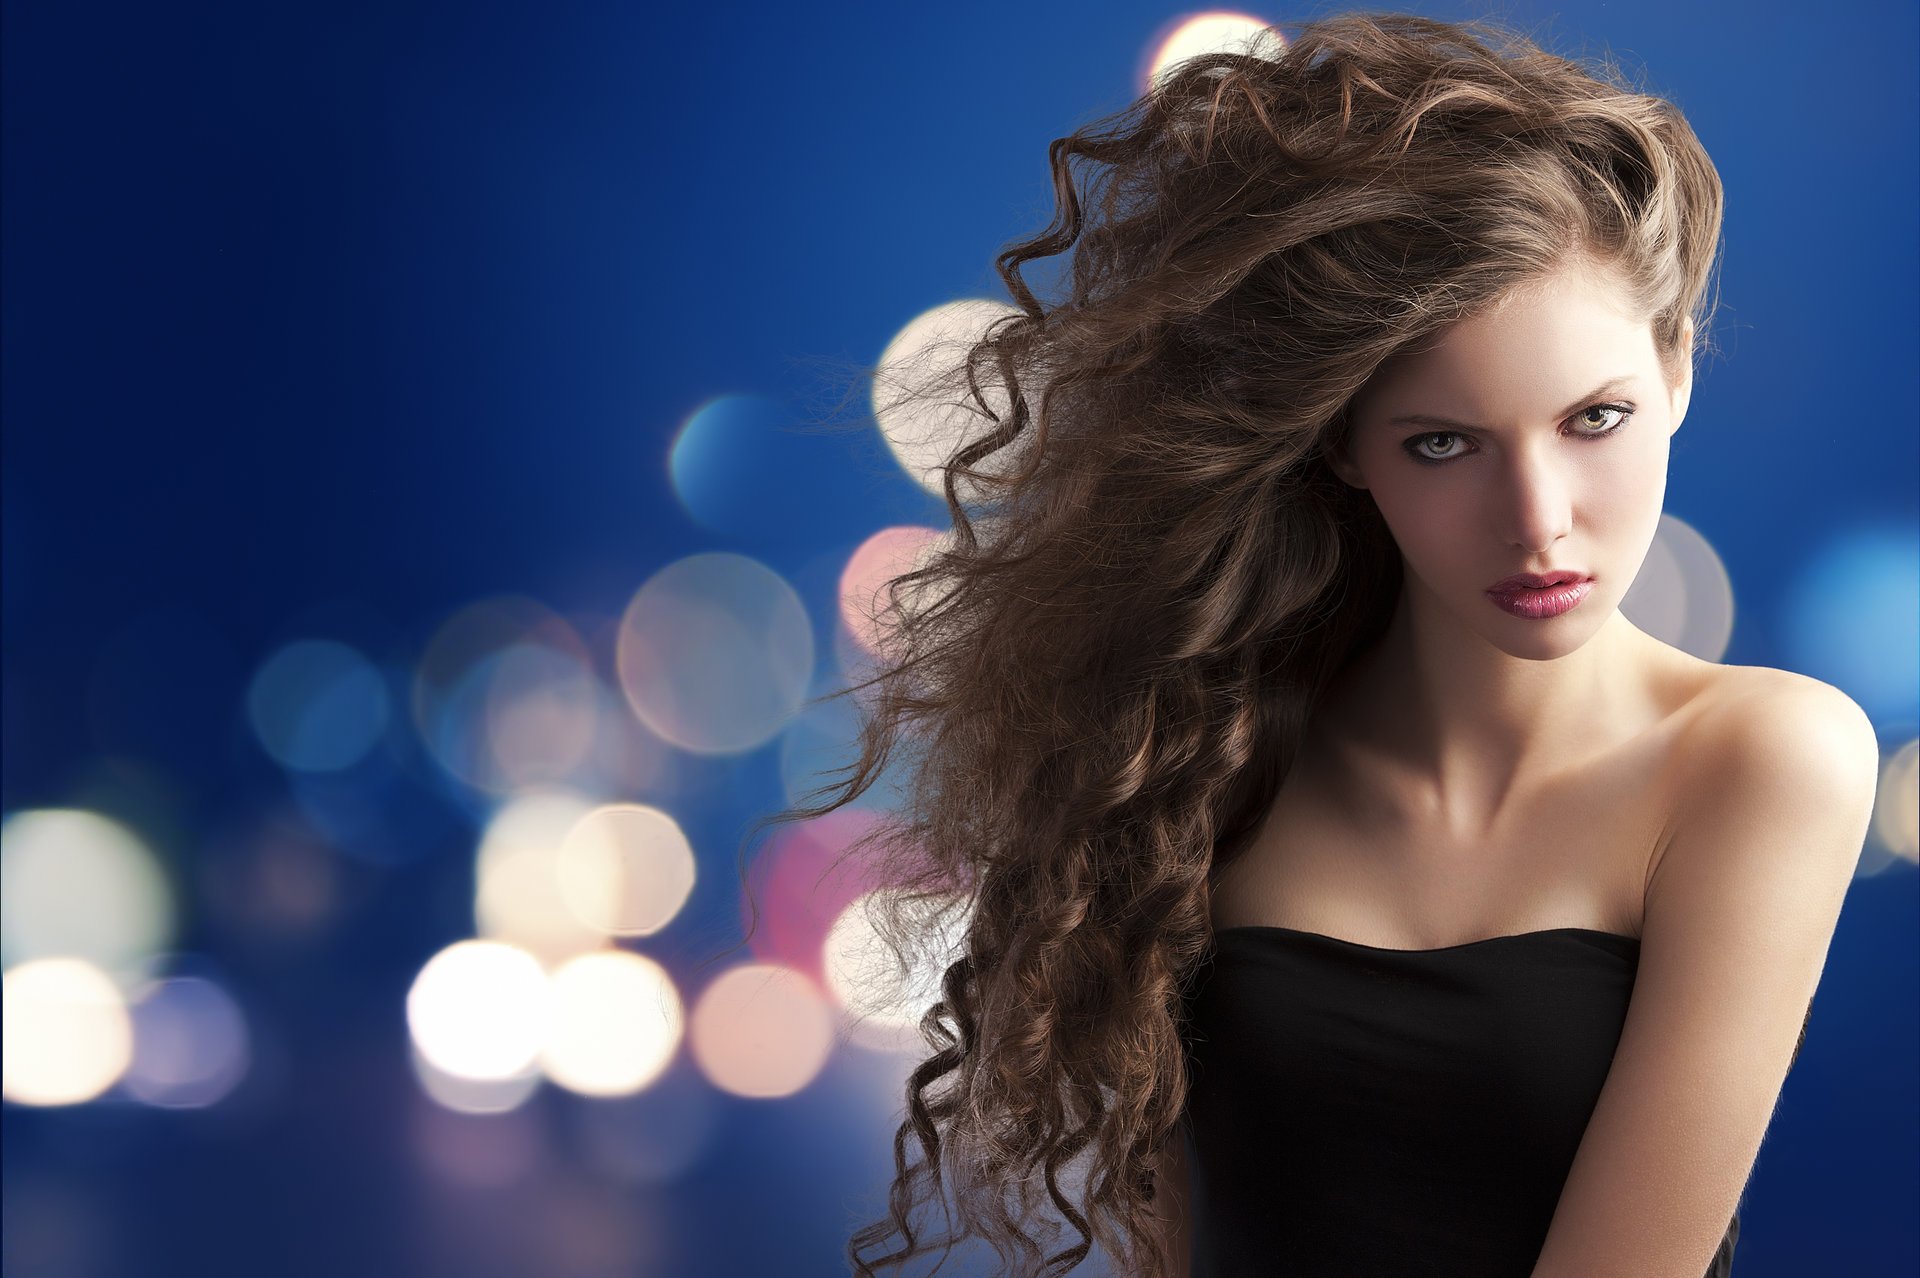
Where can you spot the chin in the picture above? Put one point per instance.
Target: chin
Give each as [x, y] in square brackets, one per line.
[1548, 639]
[1541, 647]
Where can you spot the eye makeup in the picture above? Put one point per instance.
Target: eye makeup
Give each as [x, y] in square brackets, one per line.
[1413, 442]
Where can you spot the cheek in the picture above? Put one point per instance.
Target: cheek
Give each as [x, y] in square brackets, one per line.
[1427, 517]
[1631, 489]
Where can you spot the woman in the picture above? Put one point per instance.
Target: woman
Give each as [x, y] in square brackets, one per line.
[1340, 897]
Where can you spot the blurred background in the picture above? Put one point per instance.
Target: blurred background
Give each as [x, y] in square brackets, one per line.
[417, 562]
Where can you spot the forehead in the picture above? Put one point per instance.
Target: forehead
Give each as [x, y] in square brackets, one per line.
[1553, 339]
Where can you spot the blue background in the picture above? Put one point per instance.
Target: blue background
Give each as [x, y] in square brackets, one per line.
[401, 305]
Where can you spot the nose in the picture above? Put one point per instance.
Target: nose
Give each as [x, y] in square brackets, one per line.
[1537, 499]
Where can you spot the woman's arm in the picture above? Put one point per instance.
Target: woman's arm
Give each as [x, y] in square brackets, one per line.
[1741, 906]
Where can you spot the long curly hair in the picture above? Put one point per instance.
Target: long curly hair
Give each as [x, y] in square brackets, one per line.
[1096, 684]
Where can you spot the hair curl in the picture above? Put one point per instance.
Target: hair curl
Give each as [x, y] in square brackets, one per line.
[1103, 676]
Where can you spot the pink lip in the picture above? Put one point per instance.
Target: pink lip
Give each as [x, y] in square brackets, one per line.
[1536, 603]
[1535, 580]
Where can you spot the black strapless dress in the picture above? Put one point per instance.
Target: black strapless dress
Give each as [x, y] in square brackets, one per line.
[1358, 1112]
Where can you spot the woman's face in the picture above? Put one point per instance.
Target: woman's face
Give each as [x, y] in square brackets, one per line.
[1542, 445]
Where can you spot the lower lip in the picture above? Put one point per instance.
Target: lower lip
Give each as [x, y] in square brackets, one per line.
[1548, 601]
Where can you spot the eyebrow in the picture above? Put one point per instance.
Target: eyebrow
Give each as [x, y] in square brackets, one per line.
[1424, 419]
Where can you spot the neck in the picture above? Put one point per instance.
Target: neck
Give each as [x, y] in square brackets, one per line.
[1464, 724]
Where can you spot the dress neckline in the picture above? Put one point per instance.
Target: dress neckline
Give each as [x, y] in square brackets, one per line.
[1621, 938]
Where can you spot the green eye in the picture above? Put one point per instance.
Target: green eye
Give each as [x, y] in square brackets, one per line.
[1607, 408]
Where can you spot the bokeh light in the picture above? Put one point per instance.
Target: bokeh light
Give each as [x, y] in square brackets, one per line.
[317, 705]
[617, 1022]
[518, 893]
[66, 1036]
[190, 1043]
[715, 653]
[801, 883]
[1682, 594]
[625, 869]
[542, 707]
[473, 1095]
[761, 1030]
[1852, 618]
[77, 884]
[883, 1003]
[745, 466]
[1896, 812]
[480, 1009]
[503, 695]
[383, 809]
[627, 758]
[920, 397]
[1216, 31]
[865, 608]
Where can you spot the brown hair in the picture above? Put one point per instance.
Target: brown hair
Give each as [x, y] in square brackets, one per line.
[1098, 685]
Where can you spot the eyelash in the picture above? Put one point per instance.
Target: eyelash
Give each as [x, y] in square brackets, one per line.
[1625, 410]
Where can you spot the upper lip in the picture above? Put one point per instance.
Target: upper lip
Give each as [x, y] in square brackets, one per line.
[1535, 580]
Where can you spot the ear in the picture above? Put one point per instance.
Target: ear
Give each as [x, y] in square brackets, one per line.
[1683, 393]
[1337, 455]
[1342, 466]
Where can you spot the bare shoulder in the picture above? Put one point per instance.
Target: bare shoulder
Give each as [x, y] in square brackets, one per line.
[1780, 771]
[1753, 708]
[1778, 733]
